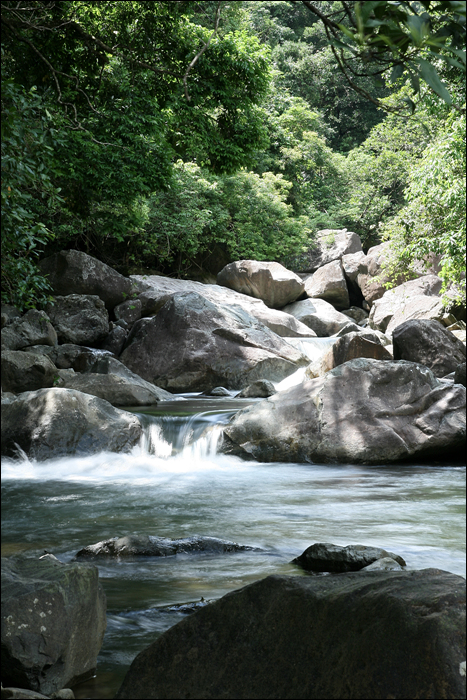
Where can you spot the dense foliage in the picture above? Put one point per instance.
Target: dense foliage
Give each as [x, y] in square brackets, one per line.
[179, 136]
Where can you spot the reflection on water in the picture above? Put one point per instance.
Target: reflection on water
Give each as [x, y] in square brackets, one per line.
[175, 485]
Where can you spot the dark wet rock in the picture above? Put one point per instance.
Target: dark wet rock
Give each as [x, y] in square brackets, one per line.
[459, 374]
[128, 311]
[26, 371]
[53, 623]
[258, 390]
[195, 345]
[383, 564]
[268, 281]
[114, 341]
[79, 319]
[428, 342]
[8, 314]
[368, 634]
[323, 556]
[74, 272]
[70, 356]
[363, 411]
[34, 328]
[151, 546]
[347, 347]
[51, 423]
[356, 314]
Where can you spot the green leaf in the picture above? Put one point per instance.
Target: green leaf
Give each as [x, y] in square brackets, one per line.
[431, 77]
[396, 72]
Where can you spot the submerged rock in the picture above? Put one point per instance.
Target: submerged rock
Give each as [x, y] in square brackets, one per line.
[363, 411]
[369, 634]
[151, 546]
[53, 623]
[323, 556]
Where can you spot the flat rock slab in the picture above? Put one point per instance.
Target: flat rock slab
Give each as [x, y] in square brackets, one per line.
[369, 634]
[53, 622]
[323, 556]
[151, 546]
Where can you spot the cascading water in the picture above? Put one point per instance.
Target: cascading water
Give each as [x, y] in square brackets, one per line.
[176, 484]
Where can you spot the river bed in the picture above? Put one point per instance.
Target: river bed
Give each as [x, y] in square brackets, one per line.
[175, 484]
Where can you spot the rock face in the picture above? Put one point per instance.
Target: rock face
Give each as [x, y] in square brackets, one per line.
[193, 345]
[428, 342]
[74, 272]
[56, 422]
[79, 319]
[151, 546]
[31, 329]
[333, 558]
[157, 290]
[331, 244]
[318, 315]
[26, 371]
[268, 281]
[53, 623]
[370, 634]
[364, 411]
[348, 347]
[329, 283]
[417, 298]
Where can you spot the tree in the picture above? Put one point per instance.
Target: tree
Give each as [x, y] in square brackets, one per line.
[400, 38]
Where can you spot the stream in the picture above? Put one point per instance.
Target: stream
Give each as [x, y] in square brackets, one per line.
[175, 484]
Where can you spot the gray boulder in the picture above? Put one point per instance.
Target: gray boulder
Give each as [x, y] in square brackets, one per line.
[366, 634]
[319, 315]
[151, 546]
[8, 314]
[429, 343]
[193, 345]
[383, 564]
[364, 411]
[79, 319]
[459, 374]
[117, 390]
[26, 371]
[129, 311]
[357, 314]
[268, 281]
[53, 623]
[115, 340]
[328, 283]
[347, 347]
[331, 244]
[157, 290]
[51, 423]
[34, 328]
[323, 556]
[74, 272]
[258, 390]
[417, 298]
[372, 282]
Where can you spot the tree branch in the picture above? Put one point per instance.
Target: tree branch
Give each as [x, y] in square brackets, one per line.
[200, 53]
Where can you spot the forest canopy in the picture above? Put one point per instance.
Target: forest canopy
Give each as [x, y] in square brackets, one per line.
[178, 136]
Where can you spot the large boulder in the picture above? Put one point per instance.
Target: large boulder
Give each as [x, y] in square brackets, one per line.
[53, 622]
[268, 281]
[328, 283]
[324, 556]
[156, 290]
[56, 422]
[26, 371]
[193, 345]
[418, 298]
[364, 411]
[79, 319]
[320, 316]
[117, 390]
[374, 279]
[152, 546]
[430, 343]
[329, 245]
[347, 347]
[34, 328]
[74, 272]
[106, 364]
[366, 634]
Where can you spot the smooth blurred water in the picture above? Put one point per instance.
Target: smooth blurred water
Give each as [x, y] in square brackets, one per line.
[174, 484]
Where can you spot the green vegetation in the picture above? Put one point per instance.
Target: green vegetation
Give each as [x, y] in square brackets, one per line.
[158, 136]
